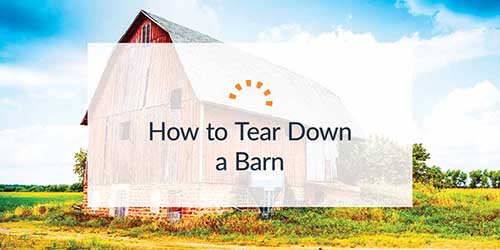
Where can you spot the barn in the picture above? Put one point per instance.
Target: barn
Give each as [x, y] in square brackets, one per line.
[183, 95]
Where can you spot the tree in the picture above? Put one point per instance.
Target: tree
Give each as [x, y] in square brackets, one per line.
[494, 176]
[373, 160]
[420, 153]
[485, 179]
[475, 178]
[435, 177]
[75, 187]
[461, 179]
[80, 163]
[455, 178]
[420, 169]
[423, 173]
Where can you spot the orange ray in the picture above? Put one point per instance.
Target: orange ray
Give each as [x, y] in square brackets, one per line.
[238, 87]
[249, 83]
[267, 92]
[232, 96]
[269, 103]
[259, 84]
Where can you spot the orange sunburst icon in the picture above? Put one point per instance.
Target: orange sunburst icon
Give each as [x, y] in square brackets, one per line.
[248, 84]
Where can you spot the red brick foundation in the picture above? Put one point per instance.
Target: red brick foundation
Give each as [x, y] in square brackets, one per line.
[147, 213]
[163, 214]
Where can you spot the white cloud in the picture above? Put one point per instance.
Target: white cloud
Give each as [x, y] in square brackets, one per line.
[52, 93]
[46, 150]
[283, 33]
[41, 153]
[463, 128]
[430, 54]
[436, 52]
[51, 74]
[7, 102]
[446, 20]
[367, 75]
[31, 76]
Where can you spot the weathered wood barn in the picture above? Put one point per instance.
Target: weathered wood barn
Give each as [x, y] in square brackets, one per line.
[309, 164]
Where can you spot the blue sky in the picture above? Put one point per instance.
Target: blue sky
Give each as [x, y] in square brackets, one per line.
[42, 66]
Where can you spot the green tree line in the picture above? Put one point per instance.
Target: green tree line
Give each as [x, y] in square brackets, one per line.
[75, 187]
[456, 178]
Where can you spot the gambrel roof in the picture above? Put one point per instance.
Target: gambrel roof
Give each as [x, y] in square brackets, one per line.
[179, 33]
[213, 68]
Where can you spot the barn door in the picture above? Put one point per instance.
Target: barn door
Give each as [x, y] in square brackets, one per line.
[120, 212]
[120, 202]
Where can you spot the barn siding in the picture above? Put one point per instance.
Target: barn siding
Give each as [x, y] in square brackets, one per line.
[158, 35]
[163, 80]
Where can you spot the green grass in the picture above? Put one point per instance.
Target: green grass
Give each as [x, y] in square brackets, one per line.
[464, 217]
[10, 200]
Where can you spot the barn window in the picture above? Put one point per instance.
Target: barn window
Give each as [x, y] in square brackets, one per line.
[146, 33]
[176, 99]
[124, 130]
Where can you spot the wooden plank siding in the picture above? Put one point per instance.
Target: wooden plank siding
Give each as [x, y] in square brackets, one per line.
[158, 35]
[155, 93]
[139, 90]
[138, 86]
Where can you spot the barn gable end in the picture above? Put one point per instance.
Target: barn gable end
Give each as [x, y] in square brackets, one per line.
[134, 33]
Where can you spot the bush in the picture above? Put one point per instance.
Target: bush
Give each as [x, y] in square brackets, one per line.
[59, 218]
[96, 222]
[125, 223]
[23, 211]
[39, 209]
[7, 216]
[244, 223]
[200, 226]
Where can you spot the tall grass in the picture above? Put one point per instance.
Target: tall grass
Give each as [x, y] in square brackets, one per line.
[447, 213]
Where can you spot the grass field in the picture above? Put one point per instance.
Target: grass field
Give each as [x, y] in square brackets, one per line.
[443, 219]
[11, 200]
